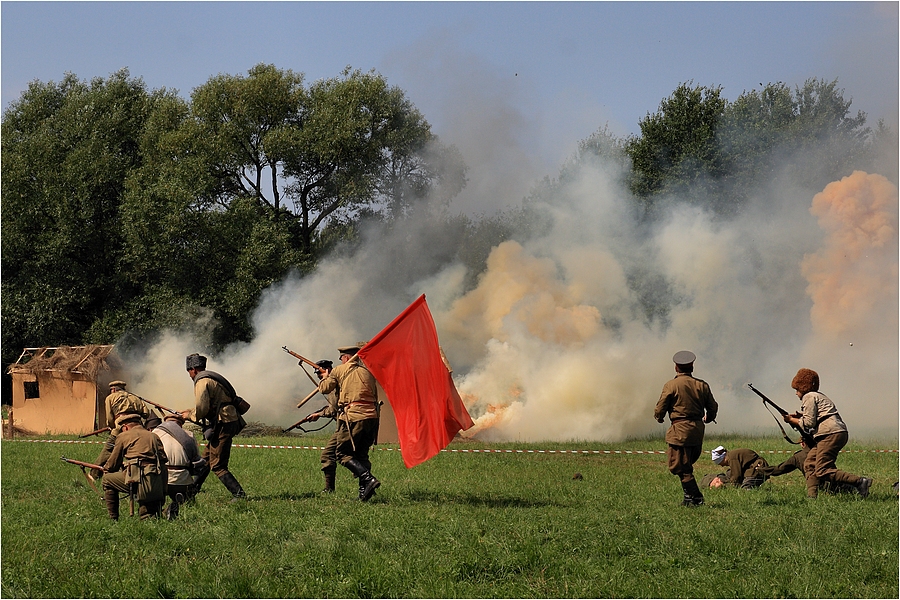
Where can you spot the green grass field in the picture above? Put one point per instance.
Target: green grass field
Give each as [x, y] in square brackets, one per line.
[465, 524]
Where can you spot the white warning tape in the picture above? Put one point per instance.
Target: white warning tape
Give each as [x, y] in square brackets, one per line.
[459, 450]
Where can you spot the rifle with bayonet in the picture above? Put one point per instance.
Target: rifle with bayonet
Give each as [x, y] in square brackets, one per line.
[84, 467]
[805, 435]
[97, 432]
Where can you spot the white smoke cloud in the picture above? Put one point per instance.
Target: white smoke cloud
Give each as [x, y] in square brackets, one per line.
[552, 343]
[549, 345]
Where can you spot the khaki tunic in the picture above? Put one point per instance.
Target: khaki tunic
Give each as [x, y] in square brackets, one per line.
[358, 394]
[744, 463]
[209, 393]
[122, 402]
[820, 415]
[138, 456]
[136, 444]
[685, 399]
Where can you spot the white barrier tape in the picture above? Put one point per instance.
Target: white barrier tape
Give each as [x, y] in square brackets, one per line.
[462, 450]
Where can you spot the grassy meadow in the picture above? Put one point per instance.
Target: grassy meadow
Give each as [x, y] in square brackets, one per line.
[466, 524]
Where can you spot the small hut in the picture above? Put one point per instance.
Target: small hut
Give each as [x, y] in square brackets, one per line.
[61, 390]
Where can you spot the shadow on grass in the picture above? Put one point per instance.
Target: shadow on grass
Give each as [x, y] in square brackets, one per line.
[284, 496]
[488, 500]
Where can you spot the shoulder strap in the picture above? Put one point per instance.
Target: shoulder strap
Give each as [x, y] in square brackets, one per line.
[229, 389]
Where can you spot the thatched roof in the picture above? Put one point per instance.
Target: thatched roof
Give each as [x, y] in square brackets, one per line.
[86, 360]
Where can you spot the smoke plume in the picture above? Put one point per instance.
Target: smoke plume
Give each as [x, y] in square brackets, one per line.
[569, 335]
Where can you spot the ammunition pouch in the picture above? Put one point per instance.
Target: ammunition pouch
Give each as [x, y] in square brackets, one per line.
[150, 480]
[241, 405]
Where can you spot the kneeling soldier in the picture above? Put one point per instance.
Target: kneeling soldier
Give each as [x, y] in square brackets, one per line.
[137, 466]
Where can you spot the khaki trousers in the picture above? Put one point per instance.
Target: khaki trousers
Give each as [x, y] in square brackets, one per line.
[820, 467]
[682, 459]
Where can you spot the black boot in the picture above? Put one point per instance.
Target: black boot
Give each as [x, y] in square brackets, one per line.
[172, 510]
[692, 495]
[232, 485]
[200, 476]
[111, 497]
[329, 480]
[150, 510]
[367, 482]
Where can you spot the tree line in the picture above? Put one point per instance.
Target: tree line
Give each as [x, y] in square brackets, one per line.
[127, 210]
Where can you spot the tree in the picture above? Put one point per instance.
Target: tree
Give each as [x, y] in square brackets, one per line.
[195, 239]
[238, 185]
[677, 146]
[67, 150]
[363, 145]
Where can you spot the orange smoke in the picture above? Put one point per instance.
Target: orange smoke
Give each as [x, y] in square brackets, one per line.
[494, 414]
[855, 271]
[525, 289]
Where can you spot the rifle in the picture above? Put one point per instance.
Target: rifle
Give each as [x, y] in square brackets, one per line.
[303, 359]
[305, 419]
[84, 467]
[807, 438]
[169, 410]
[98, 432]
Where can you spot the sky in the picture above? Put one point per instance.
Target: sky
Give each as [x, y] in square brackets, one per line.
[553, 72]
[804, 277]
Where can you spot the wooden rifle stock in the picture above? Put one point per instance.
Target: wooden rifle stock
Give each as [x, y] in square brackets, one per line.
[303, 359]
[81, 464]
[305, 419]
[807, 438]
[97, 432]
[84, 467]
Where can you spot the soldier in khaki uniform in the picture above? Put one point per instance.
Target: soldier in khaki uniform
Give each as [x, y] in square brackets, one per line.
[215, 405]
[328, 458]
[119, 404]
[139, 460]
[746, 469]
[357, 417]
[689, 403]
[819, 416]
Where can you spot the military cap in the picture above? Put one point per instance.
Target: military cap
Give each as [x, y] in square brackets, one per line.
[178, 418]
[128, 418]
[195, 361]
[117, 383]
[684, 357]
[325, 364]
[351, 350]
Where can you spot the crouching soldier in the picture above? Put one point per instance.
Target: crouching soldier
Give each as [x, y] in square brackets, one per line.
[136, 466]
[185, 464]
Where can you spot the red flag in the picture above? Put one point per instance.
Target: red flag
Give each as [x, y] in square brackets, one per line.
[406, 360]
